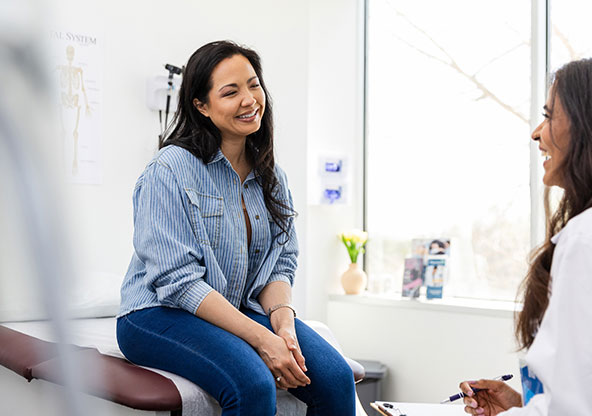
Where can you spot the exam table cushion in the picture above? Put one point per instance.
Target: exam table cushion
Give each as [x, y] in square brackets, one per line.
[108, 377]
[20, 352]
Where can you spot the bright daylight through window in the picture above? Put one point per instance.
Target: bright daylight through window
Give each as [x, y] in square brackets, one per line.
[448, 129]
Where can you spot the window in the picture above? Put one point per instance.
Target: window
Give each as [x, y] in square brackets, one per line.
[448, 103]
[570, 31]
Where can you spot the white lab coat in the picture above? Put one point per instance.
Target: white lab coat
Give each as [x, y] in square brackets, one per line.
[561, 354]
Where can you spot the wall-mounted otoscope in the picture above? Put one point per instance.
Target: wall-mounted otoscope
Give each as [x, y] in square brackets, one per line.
[173, 70]
[162, 94]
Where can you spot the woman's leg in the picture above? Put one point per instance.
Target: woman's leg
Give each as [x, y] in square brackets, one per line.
[332, 390]
[219, 362]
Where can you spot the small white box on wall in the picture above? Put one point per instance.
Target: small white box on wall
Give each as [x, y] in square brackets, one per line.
[332, 180]
[156, 93]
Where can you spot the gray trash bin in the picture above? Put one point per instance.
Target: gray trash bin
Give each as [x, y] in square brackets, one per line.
[370, 388]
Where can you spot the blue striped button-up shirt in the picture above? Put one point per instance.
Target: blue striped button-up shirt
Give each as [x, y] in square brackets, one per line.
[190, 235]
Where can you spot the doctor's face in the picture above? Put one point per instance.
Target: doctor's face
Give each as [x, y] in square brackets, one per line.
[553, 137]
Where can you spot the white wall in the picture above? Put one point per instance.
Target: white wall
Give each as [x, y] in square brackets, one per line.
[428, 349]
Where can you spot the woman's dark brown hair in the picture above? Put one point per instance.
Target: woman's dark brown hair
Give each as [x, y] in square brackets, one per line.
[572, 86]
[196, 133]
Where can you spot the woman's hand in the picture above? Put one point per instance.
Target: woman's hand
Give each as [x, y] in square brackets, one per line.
[494, 397]
[276, 297]
[282, 362]
[273, 349]
[282, 322]
[288, 334]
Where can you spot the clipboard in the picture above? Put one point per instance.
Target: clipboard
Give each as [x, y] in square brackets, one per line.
[380, 408]
[417, 409]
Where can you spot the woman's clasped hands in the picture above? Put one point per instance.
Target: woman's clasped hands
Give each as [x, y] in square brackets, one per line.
[281, 353]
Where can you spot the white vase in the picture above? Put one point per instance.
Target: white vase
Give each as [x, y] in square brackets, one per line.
[354, 280]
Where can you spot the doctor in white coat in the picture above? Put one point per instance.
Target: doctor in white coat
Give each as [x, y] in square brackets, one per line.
[555, 325]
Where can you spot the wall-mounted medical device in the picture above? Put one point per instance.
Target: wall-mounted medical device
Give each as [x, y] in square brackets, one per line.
[162, 94]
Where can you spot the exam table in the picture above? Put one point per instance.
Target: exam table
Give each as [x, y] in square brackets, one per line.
[26, 348]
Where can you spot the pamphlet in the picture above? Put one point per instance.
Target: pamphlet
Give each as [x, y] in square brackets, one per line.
[435, 272]
[413, 277]
[422, 247]
[431, 256]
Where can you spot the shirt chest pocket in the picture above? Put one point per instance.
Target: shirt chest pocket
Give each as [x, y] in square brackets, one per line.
[206, 216]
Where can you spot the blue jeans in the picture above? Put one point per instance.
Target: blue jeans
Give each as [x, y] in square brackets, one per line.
[228, 368]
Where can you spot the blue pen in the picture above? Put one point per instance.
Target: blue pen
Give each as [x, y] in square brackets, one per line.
[461, 394]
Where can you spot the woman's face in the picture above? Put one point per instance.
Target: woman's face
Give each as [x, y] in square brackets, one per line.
[236, 101]
[553, 137]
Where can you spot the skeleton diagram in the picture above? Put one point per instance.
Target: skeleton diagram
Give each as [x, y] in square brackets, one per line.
[71, 82]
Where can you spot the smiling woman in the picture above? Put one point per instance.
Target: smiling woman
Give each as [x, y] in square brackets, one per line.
[236, 102]
[553, 136]
[224, 81]
[207, 294]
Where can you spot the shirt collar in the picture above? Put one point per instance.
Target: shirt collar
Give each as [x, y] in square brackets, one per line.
[218, 156]
[556, 237]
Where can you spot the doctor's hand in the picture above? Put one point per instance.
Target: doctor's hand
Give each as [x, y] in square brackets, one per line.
[281, 362]
[495, 397]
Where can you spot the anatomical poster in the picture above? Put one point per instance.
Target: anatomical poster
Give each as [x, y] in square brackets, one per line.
[76, 68]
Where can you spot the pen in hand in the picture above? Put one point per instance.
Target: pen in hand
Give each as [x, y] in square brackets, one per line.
[461, 394]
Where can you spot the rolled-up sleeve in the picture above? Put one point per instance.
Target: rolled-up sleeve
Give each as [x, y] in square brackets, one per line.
[165, 242]
[286, 265]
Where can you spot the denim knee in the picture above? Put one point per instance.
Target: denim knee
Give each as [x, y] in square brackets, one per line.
[257, 396]
[339, 387]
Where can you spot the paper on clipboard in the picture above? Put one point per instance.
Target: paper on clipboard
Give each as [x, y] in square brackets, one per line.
[381, 409]
[417, 409]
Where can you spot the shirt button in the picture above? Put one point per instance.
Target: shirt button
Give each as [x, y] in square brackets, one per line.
[246, 186]
[256, 217]
[257, 251]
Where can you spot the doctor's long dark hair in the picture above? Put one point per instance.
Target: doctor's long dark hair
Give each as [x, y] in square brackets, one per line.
[573, 88]
[195, 132]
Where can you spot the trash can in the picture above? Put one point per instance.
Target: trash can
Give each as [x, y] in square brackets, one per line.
[370, 388]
